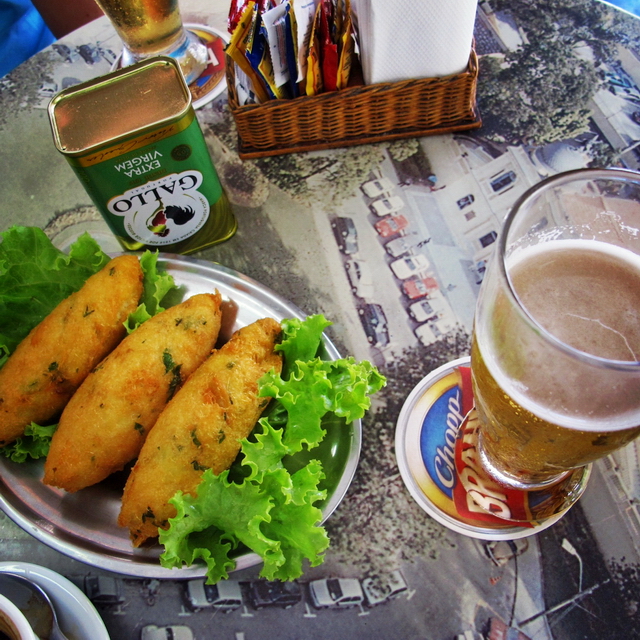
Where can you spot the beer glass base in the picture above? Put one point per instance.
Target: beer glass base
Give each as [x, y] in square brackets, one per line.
[189, 51]
[516, 482]
[545, 500]
[436, 448]
[516, 501]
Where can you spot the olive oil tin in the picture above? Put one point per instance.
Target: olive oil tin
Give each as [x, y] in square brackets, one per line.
[133, 140]
[436, 436]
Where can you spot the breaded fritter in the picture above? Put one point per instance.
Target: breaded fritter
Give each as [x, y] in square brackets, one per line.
[106, 422]
[49, 365]
[201, 428]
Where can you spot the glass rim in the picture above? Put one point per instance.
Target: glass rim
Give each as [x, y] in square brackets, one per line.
[574, 175]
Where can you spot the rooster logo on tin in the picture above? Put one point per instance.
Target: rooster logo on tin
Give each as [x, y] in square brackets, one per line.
[157, 222]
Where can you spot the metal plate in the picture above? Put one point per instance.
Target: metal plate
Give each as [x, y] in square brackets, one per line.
[84, 525]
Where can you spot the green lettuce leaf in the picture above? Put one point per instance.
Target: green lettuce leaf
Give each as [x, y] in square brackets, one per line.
[302, 340]
[35, 277]
[156, 286]
[271, 512]
[307, 539]
[33, 445]
[223, 513]
[317, 387]
[265, 507]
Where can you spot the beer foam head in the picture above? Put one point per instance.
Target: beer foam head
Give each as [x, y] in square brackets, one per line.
[571, 357]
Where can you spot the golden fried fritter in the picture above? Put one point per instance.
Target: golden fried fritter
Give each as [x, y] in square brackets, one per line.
[52, 361]
[106, 422]
[200, 428]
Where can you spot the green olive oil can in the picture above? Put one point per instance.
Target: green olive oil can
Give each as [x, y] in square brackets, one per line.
[133, 140]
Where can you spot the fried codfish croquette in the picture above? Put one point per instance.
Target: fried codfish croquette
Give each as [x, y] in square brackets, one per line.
[105, 423]
[52, 361]
[200, 428]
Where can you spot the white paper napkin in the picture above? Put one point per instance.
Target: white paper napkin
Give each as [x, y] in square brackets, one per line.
[402, 39]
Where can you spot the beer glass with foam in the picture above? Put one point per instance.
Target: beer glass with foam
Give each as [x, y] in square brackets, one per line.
[556, 346]
[154, 27]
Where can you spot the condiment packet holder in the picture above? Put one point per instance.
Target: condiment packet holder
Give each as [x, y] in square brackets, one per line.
[359, 114]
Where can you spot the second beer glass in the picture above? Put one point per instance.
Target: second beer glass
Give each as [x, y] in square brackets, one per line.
[154, 27]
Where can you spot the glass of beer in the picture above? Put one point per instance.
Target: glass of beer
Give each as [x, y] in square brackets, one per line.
[556, 347]
[154, 27]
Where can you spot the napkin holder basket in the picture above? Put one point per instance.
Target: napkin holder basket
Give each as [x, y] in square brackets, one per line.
[361, 114]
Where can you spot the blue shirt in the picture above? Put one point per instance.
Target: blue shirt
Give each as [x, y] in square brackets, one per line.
[22, 33]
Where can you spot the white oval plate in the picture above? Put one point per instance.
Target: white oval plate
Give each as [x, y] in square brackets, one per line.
[77, 617]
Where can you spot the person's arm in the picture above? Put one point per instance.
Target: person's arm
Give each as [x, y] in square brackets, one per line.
[62, 17]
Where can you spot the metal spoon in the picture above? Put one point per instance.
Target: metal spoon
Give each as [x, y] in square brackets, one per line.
[34, 604]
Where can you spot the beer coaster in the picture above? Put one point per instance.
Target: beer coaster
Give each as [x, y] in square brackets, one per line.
[212, 81]
[436, 438]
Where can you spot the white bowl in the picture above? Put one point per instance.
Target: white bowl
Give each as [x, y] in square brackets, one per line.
[77, 616]
[13, 623]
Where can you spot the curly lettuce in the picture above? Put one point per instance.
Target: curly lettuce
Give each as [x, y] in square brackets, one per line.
[157, 284]
[35, 277]
[32, 445]
[269, 510]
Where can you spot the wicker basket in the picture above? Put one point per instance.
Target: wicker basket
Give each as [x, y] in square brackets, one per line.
[356, 115]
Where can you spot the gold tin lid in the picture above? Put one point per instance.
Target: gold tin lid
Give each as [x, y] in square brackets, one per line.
[118, 105]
